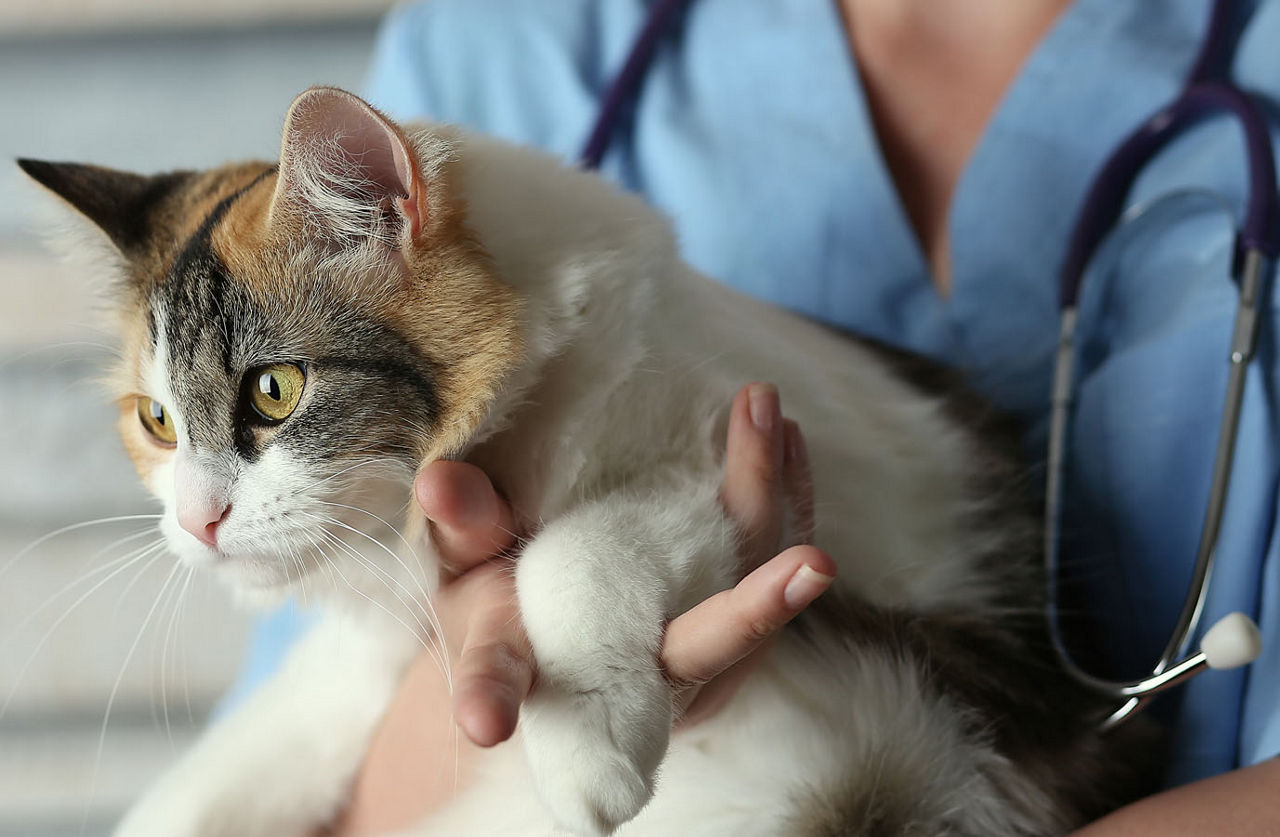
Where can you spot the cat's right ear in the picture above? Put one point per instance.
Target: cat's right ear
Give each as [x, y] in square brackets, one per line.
[350, 174]
[122, 204]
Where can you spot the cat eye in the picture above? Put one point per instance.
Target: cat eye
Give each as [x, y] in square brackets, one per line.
[156, 421]
[274, 391]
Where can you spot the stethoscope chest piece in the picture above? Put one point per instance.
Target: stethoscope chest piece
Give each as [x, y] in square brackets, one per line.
[1233, 641]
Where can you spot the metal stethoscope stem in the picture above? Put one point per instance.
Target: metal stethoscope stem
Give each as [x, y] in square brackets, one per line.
[1234, 640]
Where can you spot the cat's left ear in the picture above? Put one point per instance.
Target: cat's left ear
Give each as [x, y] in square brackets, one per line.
[127, 207]
[349, 172]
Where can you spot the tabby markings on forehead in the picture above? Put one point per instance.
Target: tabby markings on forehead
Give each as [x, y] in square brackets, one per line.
[195, 304]
[386, 383]
[196, 286]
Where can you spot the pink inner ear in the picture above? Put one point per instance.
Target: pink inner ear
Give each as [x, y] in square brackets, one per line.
[371, 150]
[409, 203]
[335, 139]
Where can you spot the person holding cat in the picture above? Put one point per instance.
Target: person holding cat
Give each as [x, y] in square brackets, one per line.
[706, 653]
[918, 194]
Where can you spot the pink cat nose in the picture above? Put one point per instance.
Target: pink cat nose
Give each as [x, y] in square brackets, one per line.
[203, 522]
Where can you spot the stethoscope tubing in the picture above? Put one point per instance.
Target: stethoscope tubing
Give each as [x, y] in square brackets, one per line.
[1106, 197]
[621, 93]
[1206, 92]
[1166, 673]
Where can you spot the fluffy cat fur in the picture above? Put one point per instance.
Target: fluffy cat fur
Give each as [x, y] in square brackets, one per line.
[448, 295]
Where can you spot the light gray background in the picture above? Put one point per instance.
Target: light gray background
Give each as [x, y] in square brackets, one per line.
[149, 99]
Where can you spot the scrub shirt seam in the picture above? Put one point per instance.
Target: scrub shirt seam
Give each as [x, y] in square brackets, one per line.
[1036, 73]
[923, 281]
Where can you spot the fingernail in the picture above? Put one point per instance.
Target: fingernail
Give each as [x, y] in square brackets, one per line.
[766, 411]
[805, 586]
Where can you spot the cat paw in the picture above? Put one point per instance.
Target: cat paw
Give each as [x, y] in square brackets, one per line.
[595, 754]
[592, 792]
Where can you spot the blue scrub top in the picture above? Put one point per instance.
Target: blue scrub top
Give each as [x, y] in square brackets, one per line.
[752, 132]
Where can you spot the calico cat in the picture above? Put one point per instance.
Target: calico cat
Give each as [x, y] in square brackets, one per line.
[300, 338]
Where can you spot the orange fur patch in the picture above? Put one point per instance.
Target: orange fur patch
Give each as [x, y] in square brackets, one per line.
[447, 300]
[444, 296]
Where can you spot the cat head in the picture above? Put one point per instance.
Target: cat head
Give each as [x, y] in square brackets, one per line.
[298, 338]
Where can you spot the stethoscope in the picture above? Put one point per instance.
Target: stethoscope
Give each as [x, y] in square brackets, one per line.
[1234, 640]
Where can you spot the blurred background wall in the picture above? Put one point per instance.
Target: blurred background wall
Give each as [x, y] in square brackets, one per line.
[147, 85]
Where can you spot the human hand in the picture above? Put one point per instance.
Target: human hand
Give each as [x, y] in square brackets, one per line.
[766, 469]
[706, 653]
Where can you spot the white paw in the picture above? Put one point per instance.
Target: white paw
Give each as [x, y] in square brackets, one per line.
[595, 754]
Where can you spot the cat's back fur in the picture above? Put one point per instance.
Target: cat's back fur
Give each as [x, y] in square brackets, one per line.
[645, 357]
[921, 697]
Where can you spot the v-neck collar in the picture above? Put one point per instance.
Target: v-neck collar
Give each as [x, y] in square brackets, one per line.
[1016, 199]
[909, 310]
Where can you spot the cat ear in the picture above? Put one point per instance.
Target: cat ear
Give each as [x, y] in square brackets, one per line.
[121, 203]
[349, 171]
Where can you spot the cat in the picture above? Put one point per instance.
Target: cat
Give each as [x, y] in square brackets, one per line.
[299, 338]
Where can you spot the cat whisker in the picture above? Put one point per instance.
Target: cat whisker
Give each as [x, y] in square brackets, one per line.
[150, 554]
[43, 539]
[289, 559]
[342, 547]
[437, 653]
[362, 463]
[333, 582]
[518, 541]
[404, 596]
[171, 638]
[128, 587]
[295, 558]
[115, 687]
[159, 645]
[98, 569]
[15, 359]
[395, 530]
[434, 633]
[168, 639]
[428, 607]
[192, 579]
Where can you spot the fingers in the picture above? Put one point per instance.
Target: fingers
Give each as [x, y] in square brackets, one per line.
[708, 639]
[797, 477]
[766, 466]
[469, 521]
[494, 672]
[471, 524]
[753, 487]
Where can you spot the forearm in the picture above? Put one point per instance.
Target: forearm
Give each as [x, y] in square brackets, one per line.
[1245, 801]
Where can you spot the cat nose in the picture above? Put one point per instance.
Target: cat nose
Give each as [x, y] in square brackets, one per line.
[203, 521]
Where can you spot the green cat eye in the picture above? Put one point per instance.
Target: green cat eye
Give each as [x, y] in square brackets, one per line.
[156, 421]
[275, 390]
